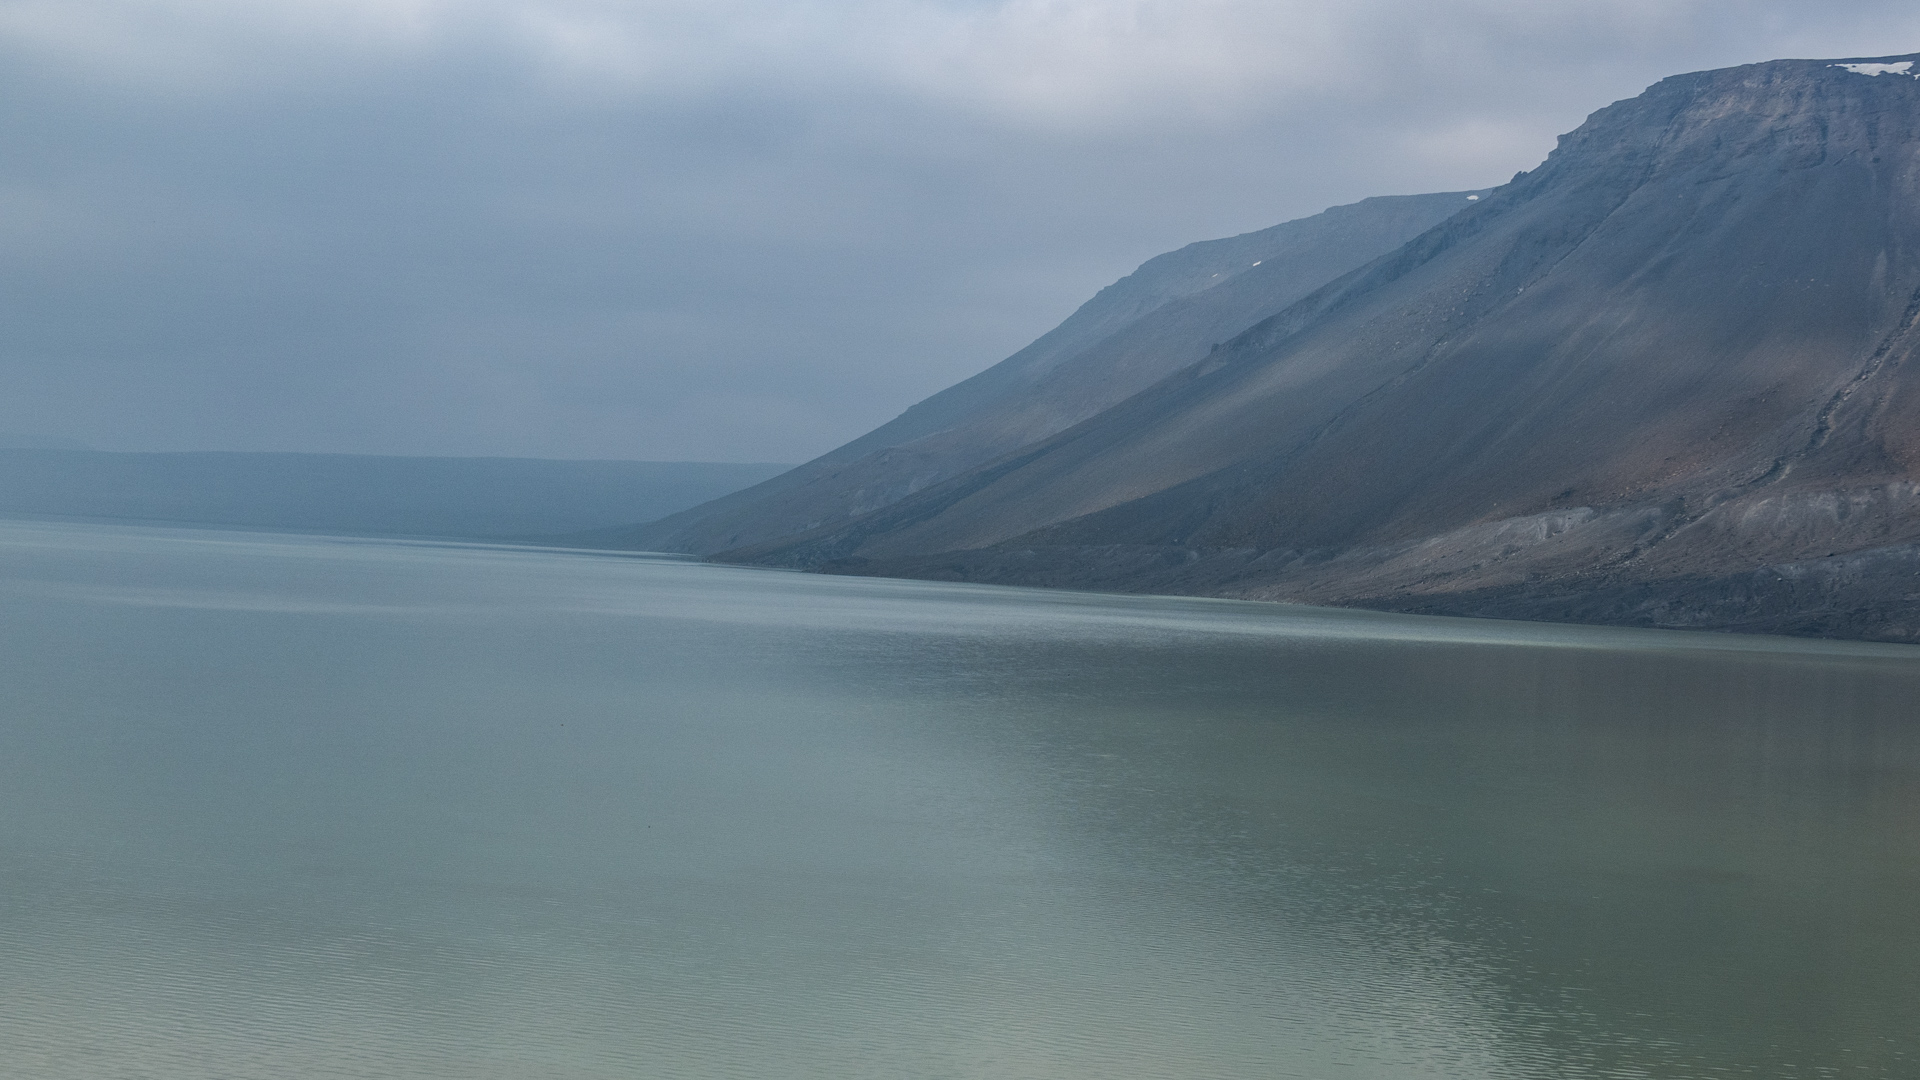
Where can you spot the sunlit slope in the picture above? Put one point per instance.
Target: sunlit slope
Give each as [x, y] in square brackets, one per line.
[1164, 316]
[1677, 353]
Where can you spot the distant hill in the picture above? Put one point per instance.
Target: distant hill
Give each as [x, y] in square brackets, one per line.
[476, 498]
[1164, 316]
[10, 440]
[1667, 378]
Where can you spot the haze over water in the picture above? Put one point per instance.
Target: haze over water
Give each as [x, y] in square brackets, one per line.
[287, 806]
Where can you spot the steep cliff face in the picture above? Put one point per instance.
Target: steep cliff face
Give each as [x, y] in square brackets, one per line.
[1679, 351]
[1163, 317]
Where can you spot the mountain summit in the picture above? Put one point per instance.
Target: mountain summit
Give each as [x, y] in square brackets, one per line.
[1665, 378]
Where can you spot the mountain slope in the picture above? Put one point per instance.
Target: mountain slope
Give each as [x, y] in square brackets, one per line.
[1674, 356]
[1162, 317]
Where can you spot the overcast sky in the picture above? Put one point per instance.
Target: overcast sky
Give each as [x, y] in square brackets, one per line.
[736, 230]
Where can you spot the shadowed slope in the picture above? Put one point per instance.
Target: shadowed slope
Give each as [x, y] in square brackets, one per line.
[1678, 350]
[1162, 317]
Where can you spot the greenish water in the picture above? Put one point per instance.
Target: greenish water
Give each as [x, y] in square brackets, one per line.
[286, 807]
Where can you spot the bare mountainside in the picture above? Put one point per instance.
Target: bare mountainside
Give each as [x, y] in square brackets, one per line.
[1666, 378]
[1163, 317]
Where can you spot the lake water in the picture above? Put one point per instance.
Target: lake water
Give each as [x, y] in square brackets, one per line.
[295, 807]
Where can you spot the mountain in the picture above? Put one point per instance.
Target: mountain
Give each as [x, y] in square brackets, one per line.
[1665, 378]
[10, 440]
[475, 498]
[1163, 317]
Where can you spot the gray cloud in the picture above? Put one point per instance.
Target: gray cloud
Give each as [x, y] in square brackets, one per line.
[738, 230]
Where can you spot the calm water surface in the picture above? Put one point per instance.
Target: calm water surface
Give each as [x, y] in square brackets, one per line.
[298, 807]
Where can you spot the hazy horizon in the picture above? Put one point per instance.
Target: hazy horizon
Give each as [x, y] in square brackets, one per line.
[10, 442]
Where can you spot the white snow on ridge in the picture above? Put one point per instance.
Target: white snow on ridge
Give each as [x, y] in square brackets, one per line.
[1904, 67]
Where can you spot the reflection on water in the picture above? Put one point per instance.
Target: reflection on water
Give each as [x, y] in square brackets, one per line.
[298, 807]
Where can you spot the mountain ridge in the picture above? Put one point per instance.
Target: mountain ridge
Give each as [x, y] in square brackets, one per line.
[1700, 306]
[1158, 319]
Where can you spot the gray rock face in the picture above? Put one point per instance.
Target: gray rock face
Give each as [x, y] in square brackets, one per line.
[1665, 378]
[1163, 317]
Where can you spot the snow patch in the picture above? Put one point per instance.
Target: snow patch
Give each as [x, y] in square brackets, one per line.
[1904, 67]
